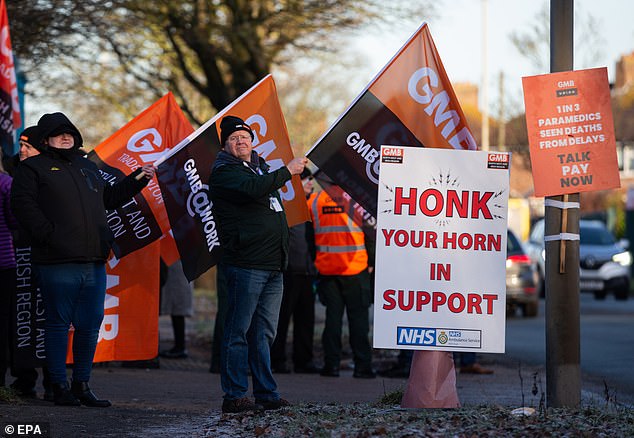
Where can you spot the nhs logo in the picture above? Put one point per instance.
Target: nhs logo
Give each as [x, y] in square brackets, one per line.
[415, 336]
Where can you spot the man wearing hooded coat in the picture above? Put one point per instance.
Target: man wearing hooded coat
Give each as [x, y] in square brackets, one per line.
[60, 199]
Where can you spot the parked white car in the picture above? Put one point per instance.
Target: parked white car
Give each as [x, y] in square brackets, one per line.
[604, 261]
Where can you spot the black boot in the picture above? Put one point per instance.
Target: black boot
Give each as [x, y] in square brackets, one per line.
[62, 395]
[48, 394]
[48, 386]
[82, 391]
[24, 388]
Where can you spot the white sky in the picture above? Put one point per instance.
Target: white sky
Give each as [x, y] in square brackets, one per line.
[458, 37]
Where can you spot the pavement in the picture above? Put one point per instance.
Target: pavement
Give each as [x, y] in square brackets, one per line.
[181, 396]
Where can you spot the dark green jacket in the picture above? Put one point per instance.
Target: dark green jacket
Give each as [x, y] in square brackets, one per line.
[252, 234]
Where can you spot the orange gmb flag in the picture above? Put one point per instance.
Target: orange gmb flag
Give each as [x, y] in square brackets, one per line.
[141, 141]
[184, 173]
[261, 110]
[571, 132]
[10, 118]
[129, 330]
[409, 103]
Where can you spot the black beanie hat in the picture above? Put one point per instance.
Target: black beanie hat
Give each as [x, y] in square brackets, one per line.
[231, 124]
[31, 135]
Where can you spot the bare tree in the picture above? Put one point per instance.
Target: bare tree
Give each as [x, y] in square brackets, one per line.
[534, 43]
[125, 53]
[623, 109]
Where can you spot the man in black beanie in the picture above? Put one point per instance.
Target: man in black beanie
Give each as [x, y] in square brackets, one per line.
[26, 377]
[231, 124]
[254, 238]
[29, 142]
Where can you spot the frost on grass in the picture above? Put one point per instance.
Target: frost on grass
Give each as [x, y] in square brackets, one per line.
[370, 420]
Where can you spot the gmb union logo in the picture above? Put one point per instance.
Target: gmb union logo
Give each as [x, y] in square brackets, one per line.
[443, 338]
[147, 143]
[372, 171]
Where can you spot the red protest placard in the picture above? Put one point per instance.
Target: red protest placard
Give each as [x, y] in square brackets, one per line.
[571, 132]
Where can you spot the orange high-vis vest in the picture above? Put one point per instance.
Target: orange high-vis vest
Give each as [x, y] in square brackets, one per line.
[340, 242]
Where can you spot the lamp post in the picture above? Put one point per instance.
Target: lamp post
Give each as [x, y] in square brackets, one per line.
[563, 373]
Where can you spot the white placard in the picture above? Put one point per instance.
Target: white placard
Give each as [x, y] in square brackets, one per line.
[441, 250]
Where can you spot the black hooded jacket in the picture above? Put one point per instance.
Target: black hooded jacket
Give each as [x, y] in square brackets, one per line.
[252, 234]
[60, 199]
[53, 124]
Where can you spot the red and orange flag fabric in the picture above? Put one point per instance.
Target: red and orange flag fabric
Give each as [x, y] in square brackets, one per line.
[183, 175]
[410, 102]
[10, 117]
[141, 141]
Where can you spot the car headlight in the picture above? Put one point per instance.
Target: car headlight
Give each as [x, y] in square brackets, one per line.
[623, 258]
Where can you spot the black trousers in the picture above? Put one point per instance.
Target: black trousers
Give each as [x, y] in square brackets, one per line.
[7, 290]
[26, 378]
[351, 294]
[298, 303]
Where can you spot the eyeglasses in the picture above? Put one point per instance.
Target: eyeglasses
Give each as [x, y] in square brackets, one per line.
[235, 138]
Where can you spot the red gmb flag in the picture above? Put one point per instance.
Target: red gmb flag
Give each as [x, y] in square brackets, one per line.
[10, 118]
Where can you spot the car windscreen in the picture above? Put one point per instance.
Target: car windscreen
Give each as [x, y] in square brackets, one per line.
[595, 236]
[513, 246]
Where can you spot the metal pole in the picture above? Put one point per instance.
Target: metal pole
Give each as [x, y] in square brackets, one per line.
[563, 373]
[501, 115]
[485, 80]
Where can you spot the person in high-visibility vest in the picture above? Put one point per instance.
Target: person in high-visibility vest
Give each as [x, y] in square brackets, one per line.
[343, 283]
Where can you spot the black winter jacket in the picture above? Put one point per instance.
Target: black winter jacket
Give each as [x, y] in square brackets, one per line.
[60, 199]
[301, 250]
[252, 234]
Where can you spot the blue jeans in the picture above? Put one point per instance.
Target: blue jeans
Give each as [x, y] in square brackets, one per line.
[73, 293]
[254, 297]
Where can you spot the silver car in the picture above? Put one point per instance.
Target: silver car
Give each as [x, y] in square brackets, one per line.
[521, 279]
[604, 261]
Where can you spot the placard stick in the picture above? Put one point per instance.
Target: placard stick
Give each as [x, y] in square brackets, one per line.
[562, 242]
